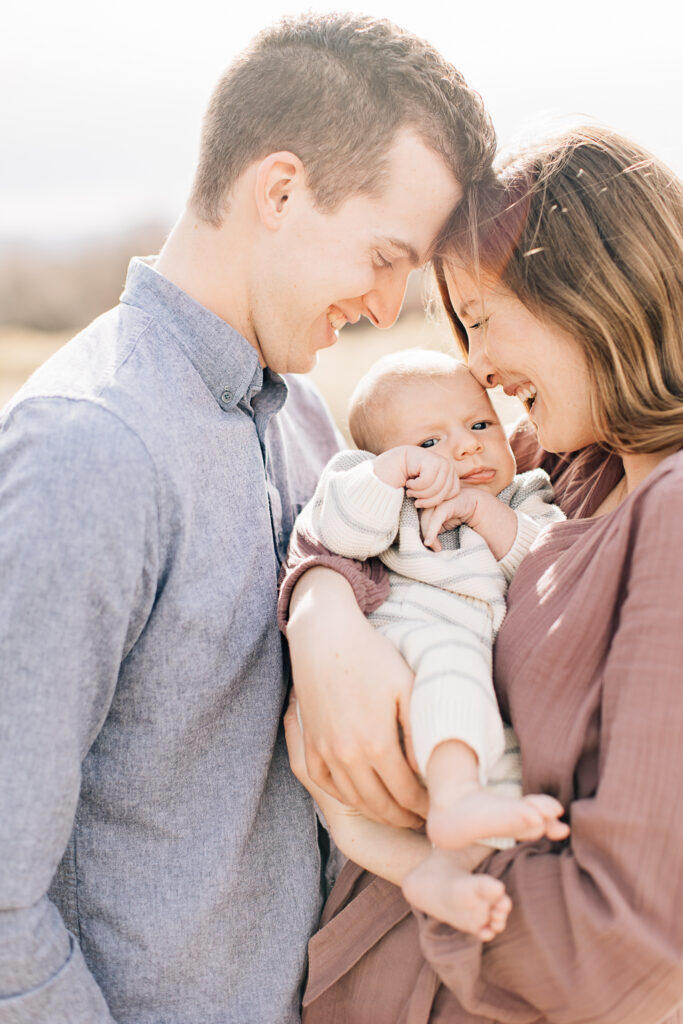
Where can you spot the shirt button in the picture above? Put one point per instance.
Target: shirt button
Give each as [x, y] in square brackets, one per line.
[226, 397]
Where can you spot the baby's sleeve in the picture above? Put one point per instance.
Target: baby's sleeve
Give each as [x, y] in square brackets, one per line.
[531, 499]
[347, 477]
[352, 512]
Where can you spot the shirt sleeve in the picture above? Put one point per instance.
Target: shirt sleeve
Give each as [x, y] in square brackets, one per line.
[595, 933]
[78, 550]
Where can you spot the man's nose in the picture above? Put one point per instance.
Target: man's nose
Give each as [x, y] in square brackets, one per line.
[479, 364]
[383, 304]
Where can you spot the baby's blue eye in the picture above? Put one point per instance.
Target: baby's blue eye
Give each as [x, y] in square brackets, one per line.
[480, 425]
[429, 443]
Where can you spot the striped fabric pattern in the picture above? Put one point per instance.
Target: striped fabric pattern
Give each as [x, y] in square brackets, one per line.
[444, 608]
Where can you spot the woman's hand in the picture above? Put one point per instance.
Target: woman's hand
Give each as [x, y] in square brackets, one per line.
[294, 735]
[388, 852]
[353, 689]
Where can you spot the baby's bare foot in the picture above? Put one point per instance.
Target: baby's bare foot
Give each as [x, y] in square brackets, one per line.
[481, 815]
[477, 904]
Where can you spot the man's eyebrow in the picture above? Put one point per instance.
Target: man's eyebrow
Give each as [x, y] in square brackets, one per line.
[406, 248]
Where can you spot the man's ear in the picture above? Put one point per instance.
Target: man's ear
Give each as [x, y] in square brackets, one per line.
[279, 178]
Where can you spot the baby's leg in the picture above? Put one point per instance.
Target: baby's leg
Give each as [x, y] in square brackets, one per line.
[477, 904]
[461, 812]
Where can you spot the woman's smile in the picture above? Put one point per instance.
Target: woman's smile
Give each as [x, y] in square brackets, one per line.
[533, 359]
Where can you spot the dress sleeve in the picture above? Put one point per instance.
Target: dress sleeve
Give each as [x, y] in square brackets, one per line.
[596, 932]
[78, 549]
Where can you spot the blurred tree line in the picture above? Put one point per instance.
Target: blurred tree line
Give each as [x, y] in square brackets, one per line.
[51, 290]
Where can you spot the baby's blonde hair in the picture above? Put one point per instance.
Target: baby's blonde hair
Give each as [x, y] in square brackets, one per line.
[380, 384]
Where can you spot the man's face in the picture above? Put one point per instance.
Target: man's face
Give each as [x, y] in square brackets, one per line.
[320, 271]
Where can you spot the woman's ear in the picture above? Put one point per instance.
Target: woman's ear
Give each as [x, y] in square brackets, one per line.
[280, 177]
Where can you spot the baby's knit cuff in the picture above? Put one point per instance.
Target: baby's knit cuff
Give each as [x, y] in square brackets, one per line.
[438, 713]
[527, 532]
[370, 497]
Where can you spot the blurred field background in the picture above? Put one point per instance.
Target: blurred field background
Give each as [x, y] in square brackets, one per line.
[47, 299]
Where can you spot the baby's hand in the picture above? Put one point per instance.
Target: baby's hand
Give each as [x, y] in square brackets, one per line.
[446, 516]
[430, 478]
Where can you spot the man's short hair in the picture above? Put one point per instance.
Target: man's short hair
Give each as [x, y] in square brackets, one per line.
[335, 89]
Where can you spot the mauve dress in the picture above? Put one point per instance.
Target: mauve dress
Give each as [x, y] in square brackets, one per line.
[589, 670]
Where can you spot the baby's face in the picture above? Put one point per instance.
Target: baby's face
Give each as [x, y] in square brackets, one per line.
[453, 416]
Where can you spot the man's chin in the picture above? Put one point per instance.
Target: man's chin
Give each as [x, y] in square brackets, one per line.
[298, 364]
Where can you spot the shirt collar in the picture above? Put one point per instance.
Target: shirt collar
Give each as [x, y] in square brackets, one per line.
[223, 358]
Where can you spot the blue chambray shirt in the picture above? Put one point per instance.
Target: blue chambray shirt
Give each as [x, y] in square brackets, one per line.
[150, 474]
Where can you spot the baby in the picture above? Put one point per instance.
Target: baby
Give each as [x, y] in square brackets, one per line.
[430, 439]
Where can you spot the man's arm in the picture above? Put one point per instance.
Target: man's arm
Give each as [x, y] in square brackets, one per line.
[77, 528]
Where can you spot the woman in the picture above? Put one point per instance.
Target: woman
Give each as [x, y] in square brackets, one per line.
[572, 299]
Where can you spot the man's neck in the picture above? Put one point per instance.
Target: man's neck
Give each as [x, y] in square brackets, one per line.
[200, 260]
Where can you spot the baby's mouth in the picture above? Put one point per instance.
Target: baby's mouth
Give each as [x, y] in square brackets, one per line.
[480, 475]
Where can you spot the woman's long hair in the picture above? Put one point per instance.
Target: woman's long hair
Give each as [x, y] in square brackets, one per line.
[586, 230]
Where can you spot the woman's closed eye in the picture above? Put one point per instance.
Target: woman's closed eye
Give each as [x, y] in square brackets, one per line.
[478, 324]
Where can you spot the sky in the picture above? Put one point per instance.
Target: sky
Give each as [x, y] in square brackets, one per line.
[102, 103]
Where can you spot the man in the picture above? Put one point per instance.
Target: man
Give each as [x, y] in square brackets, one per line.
[158, 862]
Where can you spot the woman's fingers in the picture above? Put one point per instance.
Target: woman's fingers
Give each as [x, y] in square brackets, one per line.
[318, 774]
[382, 792]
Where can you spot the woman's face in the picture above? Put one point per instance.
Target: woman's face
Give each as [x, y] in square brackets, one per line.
[539, 363]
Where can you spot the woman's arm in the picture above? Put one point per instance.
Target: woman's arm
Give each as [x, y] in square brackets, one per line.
[354, 692]
[595, 933]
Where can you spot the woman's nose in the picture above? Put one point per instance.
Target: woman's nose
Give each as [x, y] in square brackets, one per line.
[480, 365]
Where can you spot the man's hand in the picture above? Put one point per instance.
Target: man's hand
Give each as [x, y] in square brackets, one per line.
[353, 689]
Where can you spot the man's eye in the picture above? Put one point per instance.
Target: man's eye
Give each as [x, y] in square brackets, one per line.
[380, 260]
[429, 443]
[480, 425]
